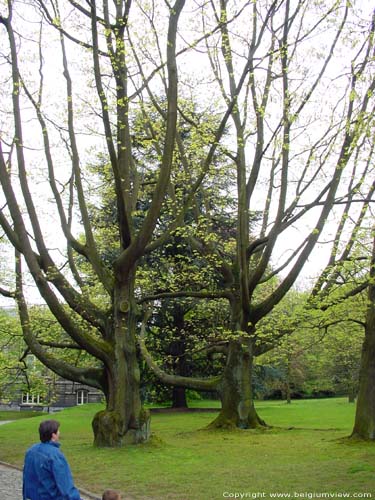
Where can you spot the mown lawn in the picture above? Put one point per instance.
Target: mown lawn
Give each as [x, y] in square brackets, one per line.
[17, 415]
[305, 452]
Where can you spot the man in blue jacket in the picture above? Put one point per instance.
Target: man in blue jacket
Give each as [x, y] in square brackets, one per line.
[46, 472]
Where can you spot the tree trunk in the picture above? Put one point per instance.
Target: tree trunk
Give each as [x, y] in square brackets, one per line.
[236, 390]
[364, 425]
[288, 395]
[177, 349]
[124, 421]
[179, 397]
[352, 393]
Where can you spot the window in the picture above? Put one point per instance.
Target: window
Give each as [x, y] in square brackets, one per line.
[82, 397]
[31, 399]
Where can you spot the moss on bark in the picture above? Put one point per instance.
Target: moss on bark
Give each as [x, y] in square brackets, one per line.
[109, 429]
[364, 425]
[232, 420]
[236, 392]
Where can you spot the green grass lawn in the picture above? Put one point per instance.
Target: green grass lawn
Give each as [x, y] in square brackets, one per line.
[17, 415]
[304, 452]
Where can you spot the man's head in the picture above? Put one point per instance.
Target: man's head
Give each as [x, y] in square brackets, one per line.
[111, 495]
[49, 431]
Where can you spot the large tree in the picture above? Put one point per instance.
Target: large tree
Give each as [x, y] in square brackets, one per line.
[107, 335]
[302, 138]
[77, 76]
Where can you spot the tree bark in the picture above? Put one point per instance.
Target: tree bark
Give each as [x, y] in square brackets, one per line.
[351, 396]
[179, 397]
[177, 349]
[288, 395]
[364, 425]
[124, 421]
[236, 391]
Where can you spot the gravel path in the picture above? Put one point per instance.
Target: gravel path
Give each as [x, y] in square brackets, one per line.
[10, 483]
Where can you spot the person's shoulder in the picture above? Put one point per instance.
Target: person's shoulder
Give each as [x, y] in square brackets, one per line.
[52, 448]
[47, 448]
[33, 447]
[34, 453]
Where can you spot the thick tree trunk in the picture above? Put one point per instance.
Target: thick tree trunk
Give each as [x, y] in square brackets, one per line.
[364, 425]
[124, 421]
[236, 391]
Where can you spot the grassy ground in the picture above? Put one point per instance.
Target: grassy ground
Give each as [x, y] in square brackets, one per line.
[17, 415]
[305, 452]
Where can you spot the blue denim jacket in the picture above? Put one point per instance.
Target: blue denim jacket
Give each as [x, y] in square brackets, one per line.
[46, 474]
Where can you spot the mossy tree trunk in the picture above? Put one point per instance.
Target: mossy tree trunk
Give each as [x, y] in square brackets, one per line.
[364, 425]
[124, 421]
[236, 391]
